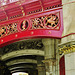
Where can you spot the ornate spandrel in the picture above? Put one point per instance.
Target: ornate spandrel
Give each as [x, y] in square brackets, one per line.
[22, 45]
[46, 22]
[38, 23]
[8, 29]
[2, 31]
[51, 21]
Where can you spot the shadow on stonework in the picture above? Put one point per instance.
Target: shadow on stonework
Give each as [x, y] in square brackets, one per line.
[4, 69]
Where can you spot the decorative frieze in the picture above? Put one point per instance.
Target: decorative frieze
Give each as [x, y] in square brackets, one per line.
[65, 49]
[50, 21]
[8, 29]
[35, 44]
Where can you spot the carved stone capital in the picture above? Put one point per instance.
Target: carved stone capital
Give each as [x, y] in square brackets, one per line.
[66, 48]
[46, 41]
[48, 60]
[49, 65]
[41, 67]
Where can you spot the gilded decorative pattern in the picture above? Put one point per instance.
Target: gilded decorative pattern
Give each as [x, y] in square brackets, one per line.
[46, 22]
[51, 21]
[24, 25]
[67, 49]
[8, 29]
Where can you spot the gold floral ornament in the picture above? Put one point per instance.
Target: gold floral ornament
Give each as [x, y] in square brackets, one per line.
[24, 25]
[66, 49]
[37, 23]
[2, 31]
[8, 29]
[11, 28]
[51, 21]
[14, 27]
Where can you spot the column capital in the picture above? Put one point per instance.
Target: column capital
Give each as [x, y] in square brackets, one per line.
[49, 60]
[46, 41]
[49, 47]
[41, 67]
[50, 66]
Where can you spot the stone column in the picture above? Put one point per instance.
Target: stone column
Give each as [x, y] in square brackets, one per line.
[49, 47]
[50, 66]
[68, 16]
[41, 69]
[50, 50]
[57, 58]
[40, 66]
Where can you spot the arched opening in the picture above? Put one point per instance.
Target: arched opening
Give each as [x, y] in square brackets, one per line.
[62, 66]
[23, 57]
[20, 73]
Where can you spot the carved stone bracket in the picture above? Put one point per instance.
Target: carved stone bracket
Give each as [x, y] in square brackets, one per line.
[65, 49]
[41, 67]
[49, 63]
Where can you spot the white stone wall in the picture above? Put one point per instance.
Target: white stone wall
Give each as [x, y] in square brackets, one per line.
[67, 39]
[70, 64]
[68, 16]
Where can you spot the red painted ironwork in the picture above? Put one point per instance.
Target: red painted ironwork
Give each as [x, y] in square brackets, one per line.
[5, 2]
[30, 19]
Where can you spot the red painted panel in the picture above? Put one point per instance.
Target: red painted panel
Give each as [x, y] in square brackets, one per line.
[62, 66]
[5, 2]
[30, 20]
[47, 3]
[28, 6]
[28, 32]
[2, 15]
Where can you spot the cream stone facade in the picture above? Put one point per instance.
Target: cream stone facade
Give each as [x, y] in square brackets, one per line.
[69, 30]
[70, 64]
[68, 16]
[43, 56]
